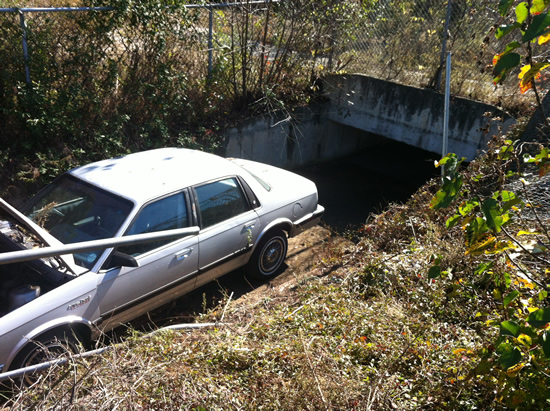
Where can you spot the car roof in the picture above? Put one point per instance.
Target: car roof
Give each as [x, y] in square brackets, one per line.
[150, 174]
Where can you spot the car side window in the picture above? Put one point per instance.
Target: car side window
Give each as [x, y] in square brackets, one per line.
[165, 214]
[220, 200]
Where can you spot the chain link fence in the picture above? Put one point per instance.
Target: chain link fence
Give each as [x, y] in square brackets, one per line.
[403, 41]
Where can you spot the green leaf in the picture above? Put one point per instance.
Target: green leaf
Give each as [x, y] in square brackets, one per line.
[510, 328]
[511, 46]
[507, 280]
[490, 211]
[509, 204]
[506, 63]
[533, 72]
[505, 152]
[504, 6]
[452, 164]
[500, 246]
[538, 26]
[467, 207]
[522, 11]
[440, 200]
[448, 192]
[506, 29]
[525, 340]
[476, 231]
[434, 271]
[509, 355]
[483, 267]
[494, 216]
[544, 342]
[510, 200]
[510, 297]
[452, 221]
[539, 318]
[540, 157]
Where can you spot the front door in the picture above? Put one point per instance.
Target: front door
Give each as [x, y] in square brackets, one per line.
[166, 268]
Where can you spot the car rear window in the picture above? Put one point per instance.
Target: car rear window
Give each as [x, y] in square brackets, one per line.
[220, 201]
[263, 183]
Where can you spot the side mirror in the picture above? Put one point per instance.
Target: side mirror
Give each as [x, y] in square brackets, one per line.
[118, 259]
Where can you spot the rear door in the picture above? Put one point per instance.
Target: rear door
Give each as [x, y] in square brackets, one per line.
[229, 227]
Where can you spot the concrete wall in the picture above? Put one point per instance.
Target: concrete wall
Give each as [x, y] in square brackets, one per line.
[310, 137]
[411, 115]
[359, 110]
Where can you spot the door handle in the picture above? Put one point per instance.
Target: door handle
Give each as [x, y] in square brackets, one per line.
[180, 255]
[249, 225]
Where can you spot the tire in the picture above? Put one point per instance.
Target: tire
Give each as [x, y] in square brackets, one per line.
[47, 347]
[269, 255]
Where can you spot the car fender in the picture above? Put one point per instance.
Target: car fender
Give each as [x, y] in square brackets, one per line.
[284, 224]
[57, 323]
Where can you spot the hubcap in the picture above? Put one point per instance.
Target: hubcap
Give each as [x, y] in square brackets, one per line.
[49, 351]
[272, 256]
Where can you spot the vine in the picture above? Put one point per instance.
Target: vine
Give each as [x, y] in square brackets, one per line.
[501, 243]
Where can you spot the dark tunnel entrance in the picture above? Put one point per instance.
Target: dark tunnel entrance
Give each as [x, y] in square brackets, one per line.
[352, 187]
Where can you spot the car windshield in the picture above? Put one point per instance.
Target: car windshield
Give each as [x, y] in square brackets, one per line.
[73, 211]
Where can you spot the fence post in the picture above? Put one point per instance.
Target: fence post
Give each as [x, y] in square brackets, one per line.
[446, 113]
[210, 35]
[25, 52]
[444, 44]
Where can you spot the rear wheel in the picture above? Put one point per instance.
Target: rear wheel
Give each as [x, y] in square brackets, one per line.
[269, 255]
[47, 347]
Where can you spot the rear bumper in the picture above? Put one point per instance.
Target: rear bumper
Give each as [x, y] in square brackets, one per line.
[308, 221]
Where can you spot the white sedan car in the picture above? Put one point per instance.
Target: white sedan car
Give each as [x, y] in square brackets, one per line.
[81, 257]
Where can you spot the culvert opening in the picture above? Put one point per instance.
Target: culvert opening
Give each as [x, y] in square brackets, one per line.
[352, 187]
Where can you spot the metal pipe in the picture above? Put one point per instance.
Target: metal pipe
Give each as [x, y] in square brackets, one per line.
[210, 44]
[444, 43]
[446, 109]
[25, 49]
[31, 369]
[34, 254]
